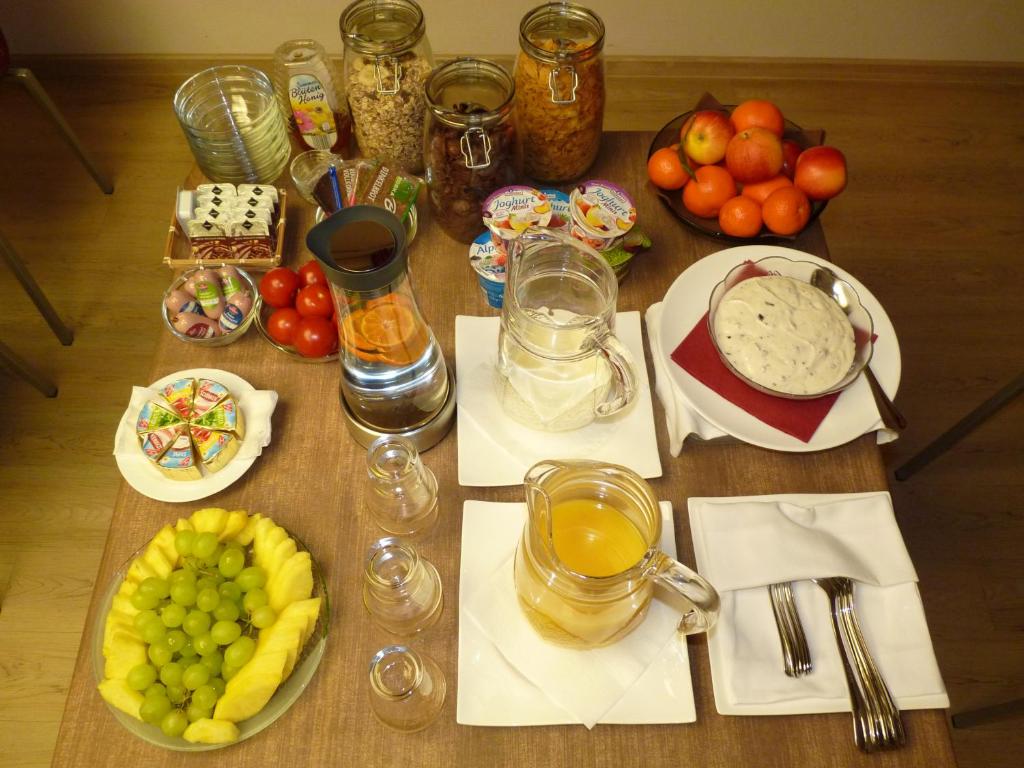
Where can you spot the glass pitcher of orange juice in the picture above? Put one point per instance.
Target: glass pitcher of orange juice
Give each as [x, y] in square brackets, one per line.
[588, 560]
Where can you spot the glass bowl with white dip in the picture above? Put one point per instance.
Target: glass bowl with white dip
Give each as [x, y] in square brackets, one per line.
[781, 334]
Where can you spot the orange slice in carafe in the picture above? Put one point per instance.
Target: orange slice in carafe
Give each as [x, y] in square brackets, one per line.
[388, 325]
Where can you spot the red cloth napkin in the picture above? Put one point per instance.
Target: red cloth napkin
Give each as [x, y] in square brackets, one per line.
[696, 355]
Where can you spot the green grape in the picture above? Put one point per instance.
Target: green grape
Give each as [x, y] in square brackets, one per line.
[226, 610]
[213, 558]
[194, 712]
[141, 676]
[196, 623]
[154, 632]
[239, 651]
[184, 593]
[231, 562]
[263, 617]
[144, 602]
[170, 674]
[153, 585]
[207, 599]
[183, 541]
[182, 575]
[213, 662]
[225, 632]
[194, 676]
[204, 545]
[176, 640]
[254, 598]
[156, 689]
[142, 618]
[204, 644]
[177, 693]
[160, 655]
[218, 684]
[207, 582]
[154, 708]
[205, 696]
[227, 671]
[174, 723]
[188, 651]
[230, 590]
[252, 577]
[172, 615]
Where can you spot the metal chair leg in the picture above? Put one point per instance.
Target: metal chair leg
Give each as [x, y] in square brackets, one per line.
[35, 293]
[27, 372]
[33, 86]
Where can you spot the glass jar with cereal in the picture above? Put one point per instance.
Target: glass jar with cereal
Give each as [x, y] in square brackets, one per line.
[387, 62]
[559, 76]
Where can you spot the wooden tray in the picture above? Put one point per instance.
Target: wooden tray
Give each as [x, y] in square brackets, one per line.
[178, 251]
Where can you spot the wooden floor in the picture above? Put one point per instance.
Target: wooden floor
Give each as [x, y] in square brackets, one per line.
[932, 222]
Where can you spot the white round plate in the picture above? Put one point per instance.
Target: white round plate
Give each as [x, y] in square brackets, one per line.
[853, 414]
[149, 481]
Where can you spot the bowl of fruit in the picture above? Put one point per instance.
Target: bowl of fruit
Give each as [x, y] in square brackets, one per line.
[211, 631]
[297, 313]
[744, 172]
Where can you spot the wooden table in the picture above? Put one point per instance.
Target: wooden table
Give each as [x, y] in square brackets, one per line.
[311, 479]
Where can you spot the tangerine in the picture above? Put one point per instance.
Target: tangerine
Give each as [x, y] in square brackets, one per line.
[760, 190]
[786, 211]
[758, 113]
[665, 169]
[711, 187]
[740, 217]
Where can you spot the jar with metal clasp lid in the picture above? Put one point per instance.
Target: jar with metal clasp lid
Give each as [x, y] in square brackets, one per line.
[387, 62]
[471, 146]
[559, 77]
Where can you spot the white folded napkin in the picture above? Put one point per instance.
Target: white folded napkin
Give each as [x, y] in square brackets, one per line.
[743, 544]
[508, 675]
[495, 450]
[682, 419]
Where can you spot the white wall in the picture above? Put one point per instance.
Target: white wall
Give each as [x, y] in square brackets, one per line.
[966, 30]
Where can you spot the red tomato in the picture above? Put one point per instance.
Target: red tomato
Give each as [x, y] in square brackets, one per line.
[314, 301]
[311, 273]
[283, 324]
[278, 287]
[316, 337]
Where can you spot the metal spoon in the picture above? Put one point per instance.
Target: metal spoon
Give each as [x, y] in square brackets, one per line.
[825, 280]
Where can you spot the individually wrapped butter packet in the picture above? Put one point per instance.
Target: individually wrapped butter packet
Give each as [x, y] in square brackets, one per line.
[205, 228]
[221, 190]
[248, 227]
[258, 191]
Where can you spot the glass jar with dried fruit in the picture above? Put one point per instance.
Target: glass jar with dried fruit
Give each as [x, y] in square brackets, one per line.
[471, 146]
[559, 77]
[387, 63]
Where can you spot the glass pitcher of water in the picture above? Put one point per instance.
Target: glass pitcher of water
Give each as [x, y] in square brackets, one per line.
[560, 365]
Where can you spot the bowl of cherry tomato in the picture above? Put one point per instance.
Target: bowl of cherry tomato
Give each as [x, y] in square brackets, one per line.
[297, 313]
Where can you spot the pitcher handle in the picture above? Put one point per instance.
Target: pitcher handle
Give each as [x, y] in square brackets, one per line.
[623, 389]
[693, 588]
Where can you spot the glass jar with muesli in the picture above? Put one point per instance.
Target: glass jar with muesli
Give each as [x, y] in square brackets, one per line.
[471, 147]
[559, 77]
[387, 63]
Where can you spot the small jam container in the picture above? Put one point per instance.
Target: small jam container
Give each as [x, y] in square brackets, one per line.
[488, 261]
[561, 216]
[602, 213]
[510, 211]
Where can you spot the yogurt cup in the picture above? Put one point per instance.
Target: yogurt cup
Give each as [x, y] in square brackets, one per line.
[510, 211]
[602, 213]
[488, 261]
[561, 215]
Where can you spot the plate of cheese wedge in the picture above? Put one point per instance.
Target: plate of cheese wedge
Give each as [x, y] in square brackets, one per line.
[192, 433]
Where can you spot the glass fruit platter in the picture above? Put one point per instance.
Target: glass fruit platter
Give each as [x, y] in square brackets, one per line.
[306, 657]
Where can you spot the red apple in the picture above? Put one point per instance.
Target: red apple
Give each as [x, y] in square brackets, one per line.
[821, 172]
[790, 152]
[754, 155]
[705, 135]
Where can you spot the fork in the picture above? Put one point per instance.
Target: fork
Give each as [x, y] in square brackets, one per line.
[876, 718]
[796, 655]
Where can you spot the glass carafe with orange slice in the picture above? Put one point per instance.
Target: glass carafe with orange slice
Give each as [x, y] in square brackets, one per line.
[393, 375]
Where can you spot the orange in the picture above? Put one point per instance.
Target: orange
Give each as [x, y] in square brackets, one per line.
[786, 211]
[758, 113]
[706, 194]
[388, 325]
[665, 169]
[754, 155]
[760, 190]
[740, 217]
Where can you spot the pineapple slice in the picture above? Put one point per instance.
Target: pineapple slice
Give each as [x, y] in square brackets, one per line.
[233, 525]
[183, 524]
[291, 630]
[157, 561]
[211, 519]
[278, 555]
[139, 571]
[118, 694]
[164, 541]
[245, 536]
[266, 536]
[122, 650]
[249, 690]
[210, 731]
[123, 605]
[292, 582]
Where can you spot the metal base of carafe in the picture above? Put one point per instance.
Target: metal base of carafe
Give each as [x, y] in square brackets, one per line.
[423, 437]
